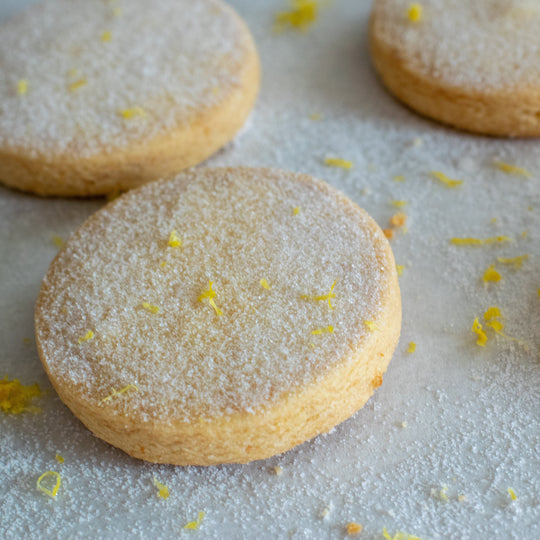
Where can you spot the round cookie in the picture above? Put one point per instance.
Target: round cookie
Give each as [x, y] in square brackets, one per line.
[473, 65]
[224, 315]
[97, 97]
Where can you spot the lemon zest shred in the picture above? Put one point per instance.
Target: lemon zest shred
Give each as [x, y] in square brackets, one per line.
[128, 114]
[22, 87]
[448, 182]
[372, 326]
[77, 84]
[479, 241]
[174, 239]
[512, 493]
[315, 117]
[57, 241]
[150, 308]
[491, 316]
[338, 162]
[264, 284]
[163, 264]
[412, 347]
[87, 337]
[399, 178]
[491, 275]
[117, 11]
[479, 331]
[327, 297]
[398, 204]
[210, 294]
[415, 12]
[512, 169]
[400, 268]
[296, 210]
[538, 291]
[319, 331]
[516, 262]
[115, 393]
[106, 36]
[163, 490]
[354, 528]
[193, 525]
[59, 458]
[302, 15]
[399, 535]
[15, 397]
[50, 492]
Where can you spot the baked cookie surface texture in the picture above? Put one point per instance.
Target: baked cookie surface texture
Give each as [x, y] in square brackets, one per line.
[224, 315]
[98, 97]
[472, 65]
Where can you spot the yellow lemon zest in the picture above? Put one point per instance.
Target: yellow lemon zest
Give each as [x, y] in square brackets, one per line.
[77, 84]
[22, 87]
[412, 347]
[59, 458]
[264, 284]
[327, 297]
[448, 182]
[516, 262]
[150, 308]
[372, 326]
[106, 36]
[210, 294]
[117, 11]
[302, 15]
[479, 331]
[57, 241]
[132, 113]
[163, 490]
[195, 524]
[50, 492]
[399, 269]
[296, 210]
[115, 393]
[479, 241]
[174, 240]
[512, 494]
[512, 169]
[327, 330]
[338, 162]
[399, 535]
[491, 274]
[415, 12]
[399, 178]
[15, 397]
[398, 204]
[315, 117]
[87, 337]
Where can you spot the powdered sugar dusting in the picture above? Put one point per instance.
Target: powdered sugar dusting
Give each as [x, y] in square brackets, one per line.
[237, 226]
[481, 45]
[85, 64]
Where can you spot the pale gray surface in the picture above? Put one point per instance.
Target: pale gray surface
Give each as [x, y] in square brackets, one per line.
[472, 414]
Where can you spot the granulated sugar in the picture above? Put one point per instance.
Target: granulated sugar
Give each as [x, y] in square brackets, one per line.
[471, 412]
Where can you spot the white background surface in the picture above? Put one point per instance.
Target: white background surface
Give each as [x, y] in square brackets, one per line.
[472, 414]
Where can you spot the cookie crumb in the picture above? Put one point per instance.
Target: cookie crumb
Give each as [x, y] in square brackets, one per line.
[389, 233]
[354, 528]
[278, 471]
[398, 220]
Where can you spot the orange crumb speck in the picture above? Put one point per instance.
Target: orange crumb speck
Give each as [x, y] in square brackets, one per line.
[377, 380]
[354, 528]
[389, 233]
[15, 397]
[398, 220]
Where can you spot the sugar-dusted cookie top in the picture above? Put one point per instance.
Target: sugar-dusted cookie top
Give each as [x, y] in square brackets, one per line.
[481, 44]
[215, 292]
[98, 96]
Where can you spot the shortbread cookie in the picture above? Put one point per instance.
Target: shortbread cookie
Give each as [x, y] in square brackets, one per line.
[99, 96]
[473, 65]
[225, 315]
